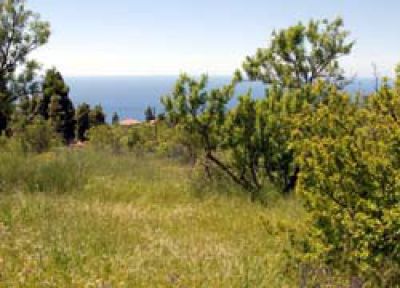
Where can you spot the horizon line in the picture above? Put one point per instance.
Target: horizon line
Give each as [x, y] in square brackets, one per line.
[170, 75]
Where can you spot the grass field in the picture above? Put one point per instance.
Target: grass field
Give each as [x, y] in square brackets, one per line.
[91, 219]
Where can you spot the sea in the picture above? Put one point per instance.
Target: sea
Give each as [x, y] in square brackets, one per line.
[130, 95]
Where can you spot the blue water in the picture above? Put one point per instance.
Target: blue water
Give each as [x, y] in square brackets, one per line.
[129, 96]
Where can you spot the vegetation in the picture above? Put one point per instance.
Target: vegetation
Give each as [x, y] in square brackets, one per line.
[150, 114]
[93, 219]
[297, 187]
[349, 167]
[21, 32]
[56, 106]
[115, 119]
[301, 55]
[97, 116]
[82, 121]
[257, 132]
[337, 151]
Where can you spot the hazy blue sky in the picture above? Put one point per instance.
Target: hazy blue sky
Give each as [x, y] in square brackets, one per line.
[164, 37]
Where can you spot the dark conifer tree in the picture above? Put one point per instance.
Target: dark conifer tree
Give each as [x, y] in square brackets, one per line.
[82, 121]
[55, 113]
[115, 119]
[56, 105]
[97, 116]
[150, 114]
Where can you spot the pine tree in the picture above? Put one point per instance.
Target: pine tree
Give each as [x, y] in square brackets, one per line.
[97, 116]
[150, 114]
[55, 113]
[82, 121]
[53, 84]
[69, 121]
[115, 119]
[56, 105]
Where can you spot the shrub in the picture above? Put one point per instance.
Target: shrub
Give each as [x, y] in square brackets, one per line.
[37, 136]
[350, 171]
[133, 139]
[104, 137]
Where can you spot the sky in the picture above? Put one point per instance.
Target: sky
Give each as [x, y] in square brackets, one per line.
[167, 37]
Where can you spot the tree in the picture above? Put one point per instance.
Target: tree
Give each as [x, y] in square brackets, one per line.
[26, 87]
[298, 60]
[82, 121]
[115, 119]
[150, 114]
[21, 32]
[301, 55]
[161, 117]
[55, 111]
[251, 142]
[97, 116]
[258, 133]
[201, 113]
[53, 84]
[56, 105]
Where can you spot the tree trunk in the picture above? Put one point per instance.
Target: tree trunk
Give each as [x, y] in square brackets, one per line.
[291, 184]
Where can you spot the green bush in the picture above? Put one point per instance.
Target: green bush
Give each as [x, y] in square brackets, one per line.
[349, 172]
[37, 136]
[104, 137]
[134, 139]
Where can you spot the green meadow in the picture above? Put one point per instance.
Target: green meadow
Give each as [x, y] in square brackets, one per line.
[96, 219]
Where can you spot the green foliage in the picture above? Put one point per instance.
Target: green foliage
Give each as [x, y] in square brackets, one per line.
[115, 119]
[201, 113]
[97, 116]
[21, 32]
[250, 143]
[37, 136]
[82, 121]
[397, 80]
[55, 110]
[6, 109]
[89, 118]
[26, 83]
[26, 88]
[134, 139]
[53, 85]
[348, 157]
[150, 114]
[340, 153]
[161, 117]
[301, 54]
[56, 106]
[104, 137]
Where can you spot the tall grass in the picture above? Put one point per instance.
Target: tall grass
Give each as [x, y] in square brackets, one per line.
[95, 219]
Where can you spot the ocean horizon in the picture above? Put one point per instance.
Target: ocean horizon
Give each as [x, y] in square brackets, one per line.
[130, 95]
